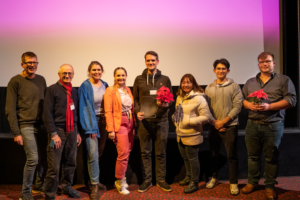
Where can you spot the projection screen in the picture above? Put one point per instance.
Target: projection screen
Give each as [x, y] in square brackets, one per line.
[188, 36]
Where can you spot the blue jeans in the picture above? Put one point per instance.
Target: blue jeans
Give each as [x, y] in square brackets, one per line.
[266, 138]
[95, 149]
[35, 150]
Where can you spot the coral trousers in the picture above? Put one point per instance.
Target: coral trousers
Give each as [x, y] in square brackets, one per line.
[124, 143]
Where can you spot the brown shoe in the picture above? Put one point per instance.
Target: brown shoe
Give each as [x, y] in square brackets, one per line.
[101, 186]
[270, 194]
[96, 191]
[248, 189]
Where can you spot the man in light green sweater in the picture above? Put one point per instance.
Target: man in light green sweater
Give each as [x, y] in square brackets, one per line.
[225, 101]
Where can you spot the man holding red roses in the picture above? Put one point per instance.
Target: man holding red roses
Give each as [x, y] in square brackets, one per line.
[265, 122]
[153, 117]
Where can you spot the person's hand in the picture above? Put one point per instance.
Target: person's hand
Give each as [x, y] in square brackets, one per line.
[252, 106]
[112, 135]
[213, 122]
[93, 136]
[222, 129]
[57, 141]
[263, 107]
[140, 116]
[19, 140]
[78, 140]
[162, 104]
[219, 124]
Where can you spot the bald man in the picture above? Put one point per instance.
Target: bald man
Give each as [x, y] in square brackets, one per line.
[60, 118]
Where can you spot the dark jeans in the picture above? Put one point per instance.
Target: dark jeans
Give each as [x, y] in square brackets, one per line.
[35, 142]
[158, 133]
[65, 154]
[95, 149]
[191, 160]
[266, 138]
[229, 138]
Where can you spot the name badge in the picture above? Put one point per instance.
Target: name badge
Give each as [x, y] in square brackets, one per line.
[153, 92]
[72, 107]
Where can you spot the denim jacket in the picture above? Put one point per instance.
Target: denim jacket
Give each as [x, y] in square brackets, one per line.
[87, 113]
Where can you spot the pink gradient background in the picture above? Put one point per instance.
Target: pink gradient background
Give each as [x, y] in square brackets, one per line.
[118, 33]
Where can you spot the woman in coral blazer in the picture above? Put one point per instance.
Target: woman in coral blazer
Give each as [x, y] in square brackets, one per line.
[120, 123]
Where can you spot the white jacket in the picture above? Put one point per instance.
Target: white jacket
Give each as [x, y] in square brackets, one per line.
[191, 112]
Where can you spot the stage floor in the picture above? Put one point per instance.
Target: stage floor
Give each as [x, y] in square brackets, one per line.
[287, 188]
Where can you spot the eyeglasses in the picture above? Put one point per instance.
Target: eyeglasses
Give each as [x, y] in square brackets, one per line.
[31, 63]
[265, 61]
[67, 73]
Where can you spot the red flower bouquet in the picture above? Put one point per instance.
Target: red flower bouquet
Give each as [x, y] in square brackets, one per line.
[258, 96]
[164, 95]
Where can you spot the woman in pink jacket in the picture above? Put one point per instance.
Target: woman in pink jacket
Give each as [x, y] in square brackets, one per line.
[120, 122]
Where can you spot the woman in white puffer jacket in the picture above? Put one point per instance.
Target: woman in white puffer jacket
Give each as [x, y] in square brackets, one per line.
[191, 112]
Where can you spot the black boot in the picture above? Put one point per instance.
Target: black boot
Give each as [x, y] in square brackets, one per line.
[192, 187]
[185, 181]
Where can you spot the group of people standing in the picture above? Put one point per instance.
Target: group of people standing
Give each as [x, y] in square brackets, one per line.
[98, 111]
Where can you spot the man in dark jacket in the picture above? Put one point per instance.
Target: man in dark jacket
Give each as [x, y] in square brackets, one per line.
[154, 124]
[24, 108]
[60, 118]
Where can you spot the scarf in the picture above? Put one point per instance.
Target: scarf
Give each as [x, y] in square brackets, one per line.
[69, 112]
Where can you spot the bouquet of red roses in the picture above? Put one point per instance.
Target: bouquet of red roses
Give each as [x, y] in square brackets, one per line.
[258, 96]
[164, 95]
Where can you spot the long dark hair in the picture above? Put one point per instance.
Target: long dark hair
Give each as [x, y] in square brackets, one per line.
[196, 87]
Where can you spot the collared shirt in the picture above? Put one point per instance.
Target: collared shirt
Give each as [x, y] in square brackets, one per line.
[278, 87]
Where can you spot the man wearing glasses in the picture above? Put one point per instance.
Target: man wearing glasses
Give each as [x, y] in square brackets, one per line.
[60, 117]
[265, 122]
[24, 108]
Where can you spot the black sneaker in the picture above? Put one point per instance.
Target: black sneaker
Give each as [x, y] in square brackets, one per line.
[192, 187]
[71, 192]
[38, 190]
[145, 186]
[26, 196]
[185, 181]
[164, 186]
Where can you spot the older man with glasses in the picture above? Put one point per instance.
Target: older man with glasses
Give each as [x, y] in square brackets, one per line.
[24, 108]
[60, 118]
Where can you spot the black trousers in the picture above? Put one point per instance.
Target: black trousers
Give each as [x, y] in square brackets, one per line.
[156, 132]
[229, 138]
[65, 154]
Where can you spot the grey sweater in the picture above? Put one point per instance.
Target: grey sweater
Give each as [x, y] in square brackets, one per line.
[24, 101]
[225, 100]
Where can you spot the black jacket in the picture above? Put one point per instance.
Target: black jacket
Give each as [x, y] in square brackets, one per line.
[55, 107]
[141, 93]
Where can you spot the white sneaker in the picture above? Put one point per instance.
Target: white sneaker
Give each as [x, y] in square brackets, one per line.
[121, 187]
[211, 183]
[234, 190]
[125, 183]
